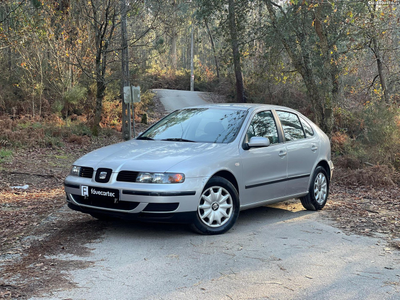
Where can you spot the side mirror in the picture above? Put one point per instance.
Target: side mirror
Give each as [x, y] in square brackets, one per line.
[257, 141]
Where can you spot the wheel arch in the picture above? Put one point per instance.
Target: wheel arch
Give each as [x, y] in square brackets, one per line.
[325, 165]
[228, 176]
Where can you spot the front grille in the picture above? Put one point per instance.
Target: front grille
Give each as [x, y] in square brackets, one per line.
[103, 175]
[105, 203]
[161, 207]
[86, 172]
[127, 176]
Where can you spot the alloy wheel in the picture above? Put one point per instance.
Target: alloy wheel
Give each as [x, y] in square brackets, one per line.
[320, 188]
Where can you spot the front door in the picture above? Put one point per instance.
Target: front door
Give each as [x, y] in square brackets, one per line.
[264, 168]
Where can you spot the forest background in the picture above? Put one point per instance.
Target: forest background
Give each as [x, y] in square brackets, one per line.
[63, 65]
[335, 61]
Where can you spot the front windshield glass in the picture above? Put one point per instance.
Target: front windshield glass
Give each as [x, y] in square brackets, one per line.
[208, 125]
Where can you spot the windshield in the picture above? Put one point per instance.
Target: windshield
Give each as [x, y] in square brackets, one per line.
[208, 125]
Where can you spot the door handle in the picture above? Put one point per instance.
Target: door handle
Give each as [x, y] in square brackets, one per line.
[314, 148]
[282, 153]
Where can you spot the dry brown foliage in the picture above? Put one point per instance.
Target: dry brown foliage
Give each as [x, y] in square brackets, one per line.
[22, 211]
[366, 210]
[339, 141]
[377, 176]
[79, 140]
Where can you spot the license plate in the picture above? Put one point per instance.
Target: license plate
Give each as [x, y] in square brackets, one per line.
[96, 192]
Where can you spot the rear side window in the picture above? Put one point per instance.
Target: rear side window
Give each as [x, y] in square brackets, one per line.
[292, 127]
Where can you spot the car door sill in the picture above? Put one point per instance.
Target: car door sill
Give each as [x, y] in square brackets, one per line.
[272, 201]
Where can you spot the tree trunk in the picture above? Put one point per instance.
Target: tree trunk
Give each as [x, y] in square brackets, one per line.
[191, 59]
[380, 69]
[326, 87]
[100, 90]
[213, 48]
[8, 26]
[101, 60]
[236, 54]
[375, 49]
[321, 90]
[126, 107]
[174, 37]
[104, 30]
[174, 59]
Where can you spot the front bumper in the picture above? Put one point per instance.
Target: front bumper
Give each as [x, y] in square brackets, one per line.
[182, 217]
[135, 200]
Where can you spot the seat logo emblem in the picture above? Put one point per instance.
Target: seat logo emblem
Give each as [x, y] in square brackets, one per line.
[102, 175]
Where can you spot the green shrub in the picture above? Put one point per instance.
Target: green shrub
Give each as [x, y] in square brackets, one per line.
[370, 135]
[81, 129]
[5, 155]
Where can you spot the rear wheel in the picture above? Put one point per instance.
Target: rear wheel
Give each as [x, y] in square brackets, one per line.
[218, 208]
[318, 191]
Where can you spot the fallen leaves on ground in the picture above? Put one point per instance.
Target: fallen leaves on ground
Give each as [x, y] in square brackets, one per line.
[22, 211]
[366, 210]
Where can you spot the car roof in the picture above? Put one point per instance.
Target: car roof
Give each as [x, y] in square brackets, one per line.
[250, 107]
[242, 106]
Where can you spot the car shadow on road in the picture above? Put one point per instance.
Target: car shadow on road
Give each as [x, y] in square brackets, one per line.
[283, 211]
[255, 217]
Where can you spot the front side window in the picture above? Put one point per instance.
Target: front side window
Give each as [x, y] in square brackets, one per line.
[291, 125]
[263, 125]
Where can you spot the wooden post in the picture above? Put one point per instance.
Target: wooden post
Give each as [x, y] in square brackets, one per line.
[126, 107]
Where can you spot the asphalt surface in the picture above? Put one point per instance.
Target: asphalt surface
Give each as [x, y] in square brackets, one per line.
[172, 99]
[274, 252]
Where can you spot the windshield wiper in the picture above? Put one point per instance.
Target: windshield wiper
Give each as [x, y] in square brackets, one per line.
[178, 140]
[145, 138]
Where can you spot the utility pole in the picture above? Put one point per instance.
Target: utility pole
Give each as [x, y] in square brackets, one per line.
[126, 107]
[191, 61]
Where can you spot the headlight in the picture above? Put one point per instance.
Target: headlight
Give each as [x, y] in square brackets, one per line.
[75, 171]
[145, 177]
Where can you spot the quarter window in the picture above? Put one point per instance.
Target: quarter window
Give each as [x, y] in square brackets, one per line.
[292, 127]
[263, 125]
[307, 128]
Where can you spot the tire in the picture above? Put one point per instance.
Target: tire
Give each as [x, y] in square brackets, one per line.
[318, 191]
[218, 207]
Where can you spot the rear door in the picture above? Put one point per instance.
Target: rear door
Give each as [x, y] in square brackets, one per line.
[302, 151]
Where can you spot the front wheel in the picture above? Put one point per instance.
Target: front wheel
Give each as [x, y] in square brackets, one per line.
[218, 208]
[318, 191]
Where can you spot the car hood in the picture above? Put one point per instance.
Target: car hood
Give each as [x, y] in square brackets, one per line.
[149, 156]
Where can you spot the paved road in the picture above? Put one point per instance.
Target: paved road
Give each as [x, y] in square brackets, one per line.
[274, 252]
[173, 99]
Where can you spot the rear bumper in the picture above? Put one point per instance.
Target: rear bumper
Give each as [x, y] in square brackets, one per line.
[331, 167]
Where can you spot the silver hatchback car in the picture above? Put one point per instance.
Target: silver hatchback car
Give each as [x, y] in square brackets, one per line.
[202, 165]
